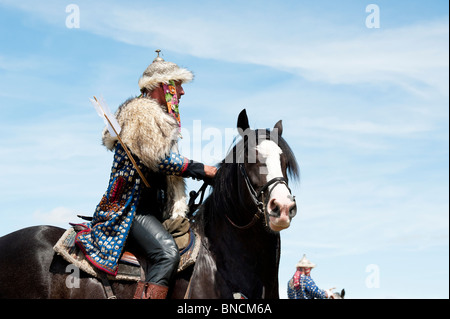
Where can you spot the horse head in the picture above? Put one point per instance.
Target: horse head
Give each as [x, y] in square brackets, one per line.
[339, 295]
[264, 162]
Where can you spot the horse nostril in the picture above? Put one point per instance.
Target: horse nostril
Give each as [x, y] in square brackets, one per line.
[274, 208]
[293, 211]
[275, 212]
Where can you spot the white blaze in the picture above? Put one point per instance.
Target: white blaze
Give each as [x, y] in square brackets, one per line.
[270, 154]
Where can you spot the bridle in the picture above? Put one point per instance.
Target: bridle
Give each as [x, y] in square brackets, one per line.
[260, 200]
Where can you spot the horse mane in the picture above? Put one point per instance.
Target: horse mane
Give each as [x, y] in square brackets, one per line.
[226, 180]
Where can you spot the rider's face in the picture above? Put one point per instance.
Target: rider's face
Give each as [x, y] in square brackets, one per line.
[159, 95]
[180, 90]
[306, 271]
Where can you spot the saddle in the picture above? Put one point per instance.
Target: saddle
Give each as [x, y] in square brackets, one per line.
[186, 239]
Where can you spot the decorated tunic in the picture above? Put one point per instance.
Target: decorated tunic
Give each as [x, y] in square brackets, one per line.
[303, 287]
[104, 237]
[151, 136]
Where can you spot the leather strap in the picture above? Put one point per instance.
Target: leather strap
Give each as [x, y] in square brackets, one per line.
[141, 286]
[107, 286]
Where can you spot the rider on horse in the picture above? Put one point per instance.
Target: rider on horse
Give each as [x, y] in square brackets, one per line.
[150, 127]
[302, 286]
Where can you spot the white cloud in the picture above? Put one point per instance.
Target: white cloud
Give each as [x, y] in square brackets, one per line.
[415, 57]
[410, 56]
[406, 56]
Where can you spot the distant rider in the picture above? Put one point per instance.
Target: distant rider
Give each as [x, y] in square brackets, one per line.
[302, 286]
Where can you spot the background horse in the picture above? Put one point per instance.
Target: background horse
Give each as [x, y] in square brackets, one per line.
[339, 295]
[239, 224]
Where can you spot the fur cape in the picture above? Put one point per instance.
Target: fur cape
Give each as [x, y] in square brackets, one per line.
[151, 134]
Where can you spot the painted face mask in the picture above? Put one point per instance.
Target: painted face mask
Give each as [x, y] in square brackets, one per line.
[170, 93]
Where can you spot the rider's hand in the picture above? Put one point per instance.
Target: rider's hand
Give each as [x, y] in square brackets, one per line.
[329, 293]
[210, 171]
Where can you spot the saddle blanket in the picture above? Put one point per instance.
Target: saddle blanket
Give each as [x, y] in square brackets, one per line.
[129, 268]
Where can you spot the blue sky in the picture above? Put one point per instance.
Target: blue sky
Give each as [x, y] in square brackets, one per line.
[364, 109]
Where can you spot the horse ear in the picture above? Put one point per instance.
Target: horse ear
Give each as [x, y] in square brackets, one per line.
[279, 127]
[342, 293]
[242, 123]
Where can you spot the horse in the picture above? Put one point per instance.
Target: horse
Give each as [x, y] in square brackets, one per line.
[239, 224]
[339, 295]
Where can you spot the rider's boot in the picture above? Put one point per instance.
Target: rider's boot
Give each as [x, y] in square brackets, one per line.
[148, 290]
[155, 291]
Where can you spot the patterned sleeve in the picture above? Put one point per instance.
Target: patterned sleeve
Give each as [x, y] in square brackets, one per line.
[176, 164]
[312, 289]
[173, 164]
[291, 290]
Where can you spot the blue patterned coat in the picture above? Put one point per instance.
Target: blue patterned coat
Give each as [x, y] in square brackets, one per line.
[305, 288]
[104, 237]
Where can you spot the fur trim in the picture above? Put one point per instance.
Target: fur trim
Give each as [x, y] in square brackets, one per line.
[162, 72]
[147, 130]
[176, 190]
[66, 248]
[151, 134]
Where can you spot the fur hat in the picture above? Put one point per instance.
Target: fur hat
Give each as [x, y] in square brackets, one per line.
[305, 263]
[161, 71]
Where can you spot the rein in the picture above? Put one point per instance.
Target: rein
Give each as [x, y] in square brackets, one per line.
[258, 199]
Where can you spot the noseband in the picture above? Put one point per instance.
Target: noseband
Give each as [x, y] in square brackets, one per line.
[260, 200]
